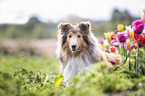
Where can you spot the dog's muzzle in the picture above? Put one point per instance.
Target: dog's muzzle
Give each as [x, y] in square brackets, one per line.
[73, 47]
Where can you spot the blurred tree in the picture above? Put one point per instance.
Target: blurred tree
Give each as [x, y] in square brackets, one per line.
[38, 31]
[34, 21]
[12, 32]
[120, 17]
[127, 16]
[116, 15]
[35, 29]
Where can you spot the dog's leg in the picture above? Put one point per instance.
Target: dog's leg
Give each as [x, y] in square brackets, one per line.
[67, 83]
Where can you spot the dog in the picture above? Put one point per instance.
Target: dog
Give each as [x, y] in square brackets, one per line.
[78, 48]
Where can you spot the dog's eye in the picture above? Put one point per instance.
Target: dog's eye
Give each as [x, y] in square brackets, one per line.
[69, 36]
[79, 36]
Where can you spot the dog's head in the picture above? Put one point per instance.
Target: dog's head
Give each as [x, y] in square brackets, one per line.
[75, 38]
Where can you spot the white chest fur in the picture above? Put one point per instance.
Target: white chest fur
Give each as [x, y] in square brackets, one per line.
[73, 66]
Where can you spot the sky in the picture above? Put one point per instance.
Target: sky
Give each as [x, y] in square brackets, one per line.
[19, 11]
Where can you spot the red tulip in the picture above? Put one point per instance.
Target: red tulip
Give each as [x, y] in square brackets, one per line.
[135, 36]
[112, 49]
[142, 42]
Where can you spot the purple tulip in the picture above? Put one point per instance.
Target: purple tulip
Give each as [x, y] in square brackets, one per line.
[113, 62]
[122, 37]
[138, 26]
[137, 22]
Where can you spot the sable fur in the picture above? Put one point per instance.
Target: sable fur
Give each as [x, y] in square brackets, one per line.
[88, 51]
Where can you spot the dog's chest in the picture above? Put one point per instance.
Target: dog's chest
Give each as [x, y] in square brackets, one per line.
[74, 65]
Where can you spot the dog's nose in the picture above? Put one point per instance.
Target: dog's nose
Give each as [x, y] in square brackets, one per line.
[73, 47]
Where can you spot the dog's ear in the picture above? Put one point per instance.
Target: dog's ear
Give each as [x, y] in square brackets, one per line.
[85, 27]
[85, 37]
[64, 26]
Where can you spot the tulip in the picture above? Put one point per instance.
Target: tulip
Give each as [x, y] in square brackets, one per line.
[138, 29]
[135, 36]
[130, 32]
[115, 43]
[142, 42]
[101, 42]
[137, 22]
[113, 62]
[112, 49]
[108, 35]
[120, 27]
[138, 26]
[122, 37]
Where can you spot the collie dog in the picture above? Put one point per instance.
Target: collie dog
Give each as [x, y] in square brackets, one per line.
[78, 48]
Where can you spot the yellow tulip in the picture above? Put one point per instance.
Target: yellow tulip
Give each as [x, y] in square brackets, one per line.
[120, 27]
[108, 35]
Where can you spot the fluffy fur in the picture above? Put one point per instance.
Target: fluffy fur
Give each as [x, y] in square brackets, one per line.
[87, 50]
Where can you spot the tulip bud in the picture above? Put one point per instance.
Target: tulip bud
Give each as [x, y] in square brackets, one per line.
[113, 62]
[120, 27]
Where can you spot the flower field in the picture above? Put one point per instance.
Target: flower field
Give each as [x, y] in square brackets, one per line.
[39, 76]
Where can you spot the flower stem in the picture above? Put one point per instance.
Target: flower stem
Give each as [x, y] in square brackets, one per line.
[137, 55]
[123, 54]
[129, 59]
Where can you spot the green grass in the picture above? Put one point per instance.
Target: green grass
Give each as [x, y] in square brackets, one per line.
[33, 76]
[44, 64]
[25, 72]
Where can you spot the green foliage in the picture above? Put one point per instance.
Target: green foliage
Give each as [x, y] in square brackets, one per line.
[104, 81]
[131, 60]
[37, 76]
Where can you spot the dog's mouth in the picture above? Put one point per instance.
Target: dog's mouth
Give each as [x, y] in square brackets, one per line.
[74, 49]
